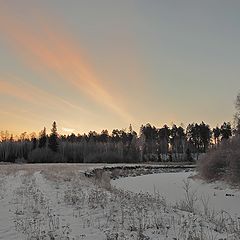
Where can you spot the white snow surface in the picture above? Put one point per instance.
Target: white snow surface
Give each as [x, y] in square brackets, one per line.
[171, 186]
[57, 202]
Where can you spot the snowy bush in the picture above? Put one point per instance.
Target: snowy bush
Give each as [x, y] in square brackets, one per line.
[222, 162]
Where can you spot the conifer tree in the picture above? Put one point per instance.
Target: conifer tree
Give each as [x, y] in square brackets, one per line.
[42, 138]
[53, 139]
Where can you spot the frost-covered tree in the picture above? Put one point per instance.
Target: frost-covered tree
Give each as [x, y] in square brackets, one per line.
[237, 115]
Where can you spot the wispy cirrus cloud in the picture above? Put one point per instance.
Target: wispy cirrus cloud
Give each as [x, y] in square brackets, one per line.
[49, 49]
[22, 90]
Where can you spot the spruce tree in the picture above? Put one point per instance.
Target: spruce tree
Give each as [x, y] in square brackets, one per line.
[42, 139]
[34, 143]
[53, 139]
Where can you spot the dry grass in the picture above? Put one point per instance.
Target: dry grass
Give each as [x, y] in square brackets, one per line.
[118, 214]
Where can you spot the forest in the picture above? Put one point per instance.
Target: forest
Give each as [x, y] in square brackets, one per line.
[126, 146]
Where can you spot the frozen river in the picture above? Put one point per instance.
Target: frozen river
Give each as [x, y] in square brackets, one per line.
[171, 186]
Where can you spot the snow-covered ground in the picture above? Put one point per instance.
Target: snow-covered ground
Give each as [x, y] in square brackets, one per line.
[57, 202]
[171, 186]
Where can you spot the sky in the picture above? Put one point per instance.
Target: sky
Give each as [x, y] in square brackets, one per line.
[94, 65]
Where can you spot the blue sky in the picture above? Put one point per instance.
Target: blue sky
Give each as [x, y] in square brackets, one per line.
[127, 62]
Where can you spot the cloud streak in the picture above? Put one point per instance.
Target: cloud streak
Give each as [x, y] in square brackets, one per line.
[49, 49]
[20, 89]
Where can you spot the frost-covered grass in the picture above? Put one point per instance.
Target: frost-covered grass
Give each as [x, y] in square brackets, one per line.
[59, 202]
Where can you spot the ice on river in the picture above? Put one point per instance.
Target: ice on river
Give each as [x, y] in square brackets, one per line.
[171, 187]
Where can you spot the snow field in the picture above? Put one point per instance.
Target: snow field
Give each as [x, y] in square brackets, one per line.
[47, 202]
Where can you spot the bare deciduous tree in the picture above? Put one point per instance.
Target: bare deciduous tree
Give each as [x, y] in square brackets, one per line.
[237, 115]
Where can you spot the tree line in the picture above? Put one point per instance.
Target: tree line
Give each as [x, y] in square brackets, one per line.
[152, 144]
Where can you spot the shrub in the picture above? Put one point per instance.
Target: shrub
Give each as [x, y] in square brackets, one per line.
[222, 162]
[235, 167]
[105, 157]
[20, 160]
